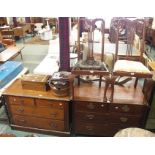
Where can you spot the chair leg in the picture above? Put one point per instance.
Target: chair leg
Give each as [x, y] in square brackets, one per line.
[136, 81]
[100, 81]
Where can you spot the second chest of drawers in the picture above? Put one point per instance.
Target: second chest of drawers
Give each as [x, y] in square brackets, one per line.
[41, 114]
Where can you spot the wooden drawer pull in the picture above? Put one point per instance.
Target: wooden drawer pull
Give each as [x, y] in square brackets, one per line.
[90, 116]
[90, 106]
[123, 119]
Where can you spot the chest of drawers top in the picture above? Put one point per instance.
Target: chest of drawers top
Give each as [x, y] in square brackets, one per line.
[122, 95]
[16, 90]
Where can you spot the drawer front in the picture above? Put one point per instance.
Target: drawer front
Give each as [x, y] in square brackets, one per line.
[50, 103]
[38, 112]
[40, 123]
[126, 108]
[21, 100]
[132, 120]
[91, 117]
[98, 129]
[90, 106]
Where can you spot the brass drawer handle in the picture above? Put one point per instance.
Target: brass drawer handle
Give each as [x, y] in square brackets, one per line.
[125, 108]
[22, 120]
[116, 108]
[123, 119]
[89, 128]
[54, 114]
[20, 110]
[53, 125]
[90, 116]
[91, 106]
[102, 105]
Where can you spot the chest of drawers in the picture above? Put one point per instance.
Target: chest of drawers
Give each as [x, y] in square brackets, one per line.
[106, 120]
[91, 116]
[38, 111]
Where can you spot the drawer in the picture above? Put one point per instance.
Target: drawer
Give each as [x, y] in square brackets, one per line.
[95, 129]
[44, 112]
[40, 123]
[91, 117]
[90, 106]
[21, 100]
[50, 103]
[126, 108]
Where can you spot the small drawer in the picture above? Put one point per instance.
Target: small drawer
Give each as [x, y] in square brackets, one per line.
[40, 123]
[91, 117]
[50, 103]
[90, 106]
[127, 108]
[21, 100]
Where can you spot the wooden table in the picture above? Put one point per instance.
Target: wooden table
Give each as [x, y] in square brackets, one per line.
[152, 65]
[10, 53]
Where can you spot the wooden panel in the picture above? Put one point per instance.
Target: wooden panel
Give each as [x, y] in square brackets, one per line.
[90, 106]
[50, 103]
[38, 123]
[21, 101]
[38, 112]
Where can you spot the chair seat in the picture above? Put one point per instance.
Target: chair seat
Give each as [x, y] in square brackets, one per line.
[131, 66]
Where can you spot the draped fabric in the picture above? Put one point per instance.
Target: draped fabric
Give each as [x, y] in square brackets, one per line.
[64, 43]
[27, 19]
[15, 21]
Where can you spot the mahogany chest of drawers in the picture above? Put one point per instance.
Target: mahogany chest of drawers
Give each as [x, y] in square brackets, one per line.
[91, 116]
[37, 110]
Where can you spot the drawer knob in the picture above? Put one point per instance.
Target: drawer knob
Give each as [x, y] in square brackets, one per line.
[123, 119]
[125, 108]
[14, 99]
[91, 106]
[90, 116]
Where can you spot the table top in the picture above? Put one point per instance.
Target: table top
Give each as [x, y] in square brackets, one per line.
[9, 53]
[16, 90]
[152, 65]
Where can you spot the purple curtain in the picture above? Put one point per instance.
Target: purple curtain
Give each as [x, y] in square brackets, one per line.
[64, 43]
[14, 21]
[27, 19]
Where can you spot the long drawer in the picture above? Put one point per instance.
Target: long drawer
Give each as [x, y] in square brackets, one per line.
[98, 129]
[108, 117]
[40, 123]
[90, 106]
[127, 108]
[44, 112]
